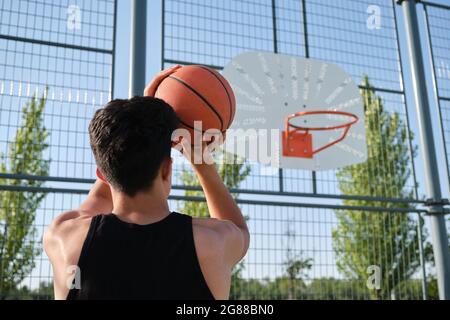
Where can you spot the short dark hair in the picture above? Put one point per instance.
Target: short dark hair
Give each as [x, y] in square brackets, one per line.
[130, 138]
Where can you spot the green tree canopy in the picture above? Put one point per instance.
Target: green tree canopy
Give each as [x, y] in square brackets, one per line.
[18, 208]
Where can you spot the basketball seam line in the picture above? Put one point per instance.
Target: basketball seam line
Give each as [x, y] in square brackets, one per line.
[226, 90]
[201, 97]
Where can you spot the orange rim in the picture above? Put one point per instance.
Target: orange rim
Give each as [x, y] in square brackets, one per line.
[305, 113]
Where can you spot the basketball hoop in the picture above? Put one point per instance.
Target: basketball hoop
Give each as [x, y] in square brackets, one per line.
[298, 141]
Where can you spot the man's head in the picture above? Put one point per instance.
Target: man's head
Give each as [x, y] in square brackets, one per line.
[131, 142]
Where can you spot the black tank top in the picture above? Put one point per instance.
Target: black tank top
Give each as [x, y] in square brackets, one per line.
[121, 260]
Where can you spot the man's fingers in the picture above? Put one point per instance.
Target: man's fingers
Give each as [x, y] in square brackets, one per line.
[171, 70]
[167, 72]
[150, 90]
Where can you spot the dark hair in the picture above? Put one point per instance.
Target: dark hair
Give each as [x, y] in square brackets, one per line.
[130, 138]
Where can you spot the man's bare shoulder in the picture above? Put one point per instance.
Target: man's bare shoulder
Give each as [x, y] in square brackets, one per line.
[68, 220]
[63, 227]
[219, 237]
[213, 228]
[208, 234]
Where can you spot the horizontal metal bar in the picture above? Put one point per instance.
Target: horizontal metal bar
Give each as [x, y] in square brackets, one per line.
[381, 89]
[191, 63]
[55, 44]
[232, 190]
[41, 189]
[240, 201]
[13, 176]
[307, 195]
[444, 98]
[307, 205]
[437, 5]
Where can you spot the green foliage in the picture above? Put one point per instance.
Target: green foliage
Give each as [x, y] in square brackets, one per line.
[43, 292]
[385, 239]
[17, 209]
[296, 268]
[292, 285]
[336, 289]
[317, 289]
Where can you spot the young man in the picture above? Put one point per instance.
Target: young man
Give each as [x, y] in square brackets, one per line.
[123, 242]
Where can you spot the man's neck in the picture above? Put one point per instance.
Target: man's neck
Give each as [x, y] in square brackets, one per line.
[143, 208]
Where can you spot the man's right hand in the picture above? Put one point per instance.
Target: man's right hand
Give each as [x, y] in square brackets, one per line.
[199, 154]
[151, 88]
[231, 226]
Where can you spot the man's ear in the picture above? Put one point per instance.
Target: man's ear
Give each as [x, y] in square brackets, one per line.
[166, 168]
[100, 175]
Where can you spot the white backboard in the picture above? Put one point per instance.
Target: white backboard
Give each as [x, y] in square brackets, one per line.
[269, 87]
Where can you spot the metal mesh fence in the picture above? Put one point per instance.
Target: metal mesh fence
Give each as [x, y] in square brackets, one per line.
[313, 235]
[292, 253]
[45, 52]
[61, 52]
[438, 28]
[207, 33]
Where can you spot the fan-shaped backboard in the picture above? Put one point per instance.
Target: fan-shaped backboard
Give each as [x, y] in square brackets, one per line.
[269, 87]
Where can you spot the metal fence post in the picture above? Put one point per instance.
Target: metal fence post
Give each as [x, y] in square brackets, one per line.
[137, 47]
[427, 148]
[422, 257]
[275, 50]
[436, 86]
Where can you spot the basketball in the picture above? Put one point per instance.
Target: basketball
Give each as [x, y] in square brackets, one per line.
[199, 93]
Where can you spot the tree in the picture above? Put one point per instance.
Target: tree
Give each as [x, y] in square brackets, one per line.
[388, 240]
[233, 171]
[18, 209]
[296, 273]
[336, 289]
[296, 267]
[43, 292]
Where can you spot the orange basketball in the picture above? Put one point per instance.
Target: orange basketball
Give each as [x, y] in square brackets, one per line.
[198, 93]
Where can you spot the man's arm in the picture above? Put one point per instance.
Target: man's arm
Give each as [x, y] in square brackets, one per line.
[222, 206]
[99, 199]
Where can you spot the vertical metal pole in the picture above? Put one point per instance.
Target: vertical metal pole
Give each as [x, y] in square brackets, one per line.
[137, 47]
[163, 35]
[422, 257]
[416, 185]
[436, 89]
[275, 50]
[306, 42]
[428, 150]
